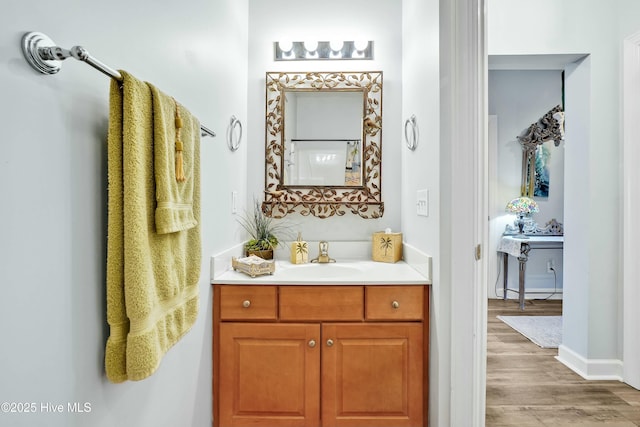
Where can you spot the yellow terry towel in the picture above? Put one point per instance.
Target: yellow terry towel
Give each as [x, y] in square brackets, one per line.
[152, 278]
[173, 127]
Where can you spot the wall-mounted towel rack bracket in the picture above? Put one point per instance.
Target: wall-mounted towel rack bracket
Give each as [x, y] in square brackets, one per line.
[45, 57]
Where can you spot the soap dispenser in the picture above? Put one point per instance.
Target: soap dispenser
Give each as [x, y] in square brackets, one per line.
[387, 246]
[299, 251]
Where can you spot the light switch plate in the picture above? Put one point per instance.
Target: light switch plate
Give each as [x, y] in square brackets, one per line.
[422, 203]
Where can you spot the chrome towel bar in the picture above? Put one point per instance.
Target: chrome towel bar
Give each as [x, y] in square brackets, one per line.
[44, 56]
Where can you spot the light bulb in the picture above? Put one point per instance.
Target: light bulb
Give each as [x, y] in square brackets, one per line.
[311, 46]
[336, 45]
[285, 45]
[360, 45]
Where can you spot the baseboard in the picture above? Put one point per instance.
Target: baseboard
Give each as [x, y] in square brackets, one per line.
[590, 369]
[540, 293]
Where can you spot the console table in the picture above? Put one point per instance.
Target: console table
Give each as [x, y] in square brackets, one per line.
[520, 248]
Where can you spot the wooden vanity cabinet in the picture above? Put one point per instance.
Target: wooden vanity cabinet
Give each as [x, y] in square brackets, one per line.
[353, 356]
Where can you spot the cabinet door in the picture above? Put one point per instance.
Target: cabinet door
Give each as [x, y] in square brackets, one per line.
[372, 374]
[269, 375]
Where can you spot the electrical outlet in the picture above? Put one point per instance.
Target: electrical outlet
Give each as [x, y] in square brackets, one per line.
[550, 267]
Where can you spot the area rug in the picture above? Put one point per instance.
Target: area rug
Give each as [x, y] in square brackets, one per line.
[545, 331]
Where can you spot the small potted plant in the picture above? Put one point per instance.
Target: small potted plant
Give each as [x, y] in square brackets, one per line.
[263, 232]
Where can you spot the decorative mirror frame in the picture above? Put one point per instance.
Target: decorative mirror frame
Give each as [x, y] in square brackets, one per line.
[548, 127]
[323, 201]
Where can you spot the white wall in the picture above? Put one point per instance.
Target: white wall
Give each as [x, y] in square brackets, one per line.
[421, 171]
[519, 98]
[592, 231]
[631, 157]
[53, 192]
[378, 20]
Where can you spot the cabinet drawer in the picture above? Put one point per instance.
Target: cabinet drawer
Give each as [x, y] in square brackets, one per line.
[321, 302]
[394, 302]
[248, 302]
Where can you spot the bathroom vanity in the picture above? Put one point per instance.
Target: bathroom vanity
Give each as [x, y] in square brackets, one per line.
[344, 344]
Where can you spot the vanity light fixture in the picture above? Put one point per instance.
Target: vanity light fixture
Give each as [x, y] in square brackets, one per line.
[309, 50]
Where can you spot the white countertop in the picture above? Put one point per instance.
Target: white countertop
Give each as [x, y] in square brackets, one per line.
[344, 272]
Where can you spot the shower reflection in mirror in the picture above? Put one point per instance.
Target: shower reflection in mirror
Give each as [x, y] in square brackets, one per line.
[335, 162]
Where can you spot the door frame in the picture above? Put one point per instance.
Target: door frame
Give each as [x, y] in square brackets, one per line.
[465, 203]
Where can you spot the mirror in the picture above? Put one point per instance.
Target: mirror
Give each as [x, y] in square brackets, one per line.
[323, 144]
[322, 138]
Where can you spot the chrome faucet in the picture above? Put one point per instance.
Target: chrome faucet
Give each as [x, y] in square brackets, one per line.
[323, 256]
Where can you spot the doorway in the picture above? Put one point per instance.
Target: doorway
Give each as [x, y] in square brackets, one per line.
[517, 97]
[574, 90]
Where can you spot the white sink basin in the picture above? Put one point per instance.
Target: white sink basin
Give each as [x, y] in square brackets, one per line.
[316, 271]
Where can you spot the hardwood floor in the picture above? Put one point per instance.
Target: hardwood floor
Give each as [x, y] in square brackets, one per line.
[528, 387]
